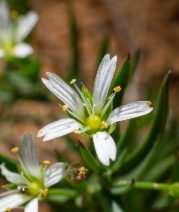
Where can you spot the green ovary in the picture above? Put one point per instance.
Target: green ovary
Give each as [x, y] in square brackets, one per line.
[34, 189]
[94, 122]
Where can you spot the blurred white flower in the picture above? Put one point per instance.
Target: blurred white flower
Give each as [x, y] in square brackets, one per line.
[92, 115]
[13, 32]
[33, 181]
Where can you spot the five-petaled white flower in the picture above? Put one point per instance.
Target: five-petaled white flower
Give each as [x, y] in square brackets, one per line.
[13, 32]
[91, 115]
[33, 181]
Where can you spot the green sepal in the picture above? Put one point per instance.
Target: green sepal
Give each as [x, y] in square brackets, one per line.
[112, 128]
[121, 187]
[123, 77]
[72, 117]
[90, 161]
[157, 128]
[11, 186]
[87, 94]
[61, 195]
[86, 135]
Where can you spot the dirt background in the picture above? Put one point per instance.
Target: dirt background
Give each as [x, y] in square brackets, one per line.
[151, 25]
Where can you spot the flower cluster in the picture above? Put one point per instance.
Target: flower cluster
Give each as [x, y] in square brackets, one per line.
[13, 32]
[33, 180]
[92, 115]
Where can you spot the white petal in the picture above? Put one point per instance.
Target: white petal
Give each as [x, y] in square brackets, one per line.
[129, 111]
[105, 147]
[1, 53]
[11, 176]
[4, 15]
[65, 93]
[55, 173]
[29, 155]
[22, 50]
[26, 24]
[59, 128]
[103, 80]
[32, 206]
[13, 201]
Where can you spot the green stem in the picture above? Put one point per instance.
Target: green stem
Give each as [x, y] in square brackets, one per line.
[123, 185]
[152, 186]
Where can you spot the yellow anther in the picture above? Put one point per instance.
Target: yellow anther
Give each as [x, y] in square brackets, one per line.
[149, 103]
[40, 132]
[14, 14]
[46, 162]
[117, 89]
[45, 192]
[104, 124]
[65, 108]
[72, 81]
[15, 149]
[8, 209]
[77, 132]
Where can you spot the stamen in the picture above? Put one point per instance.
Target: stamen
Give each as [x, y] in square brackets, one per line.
[117, 89]
[76, 116]
[92, 108]
[8, 209]
[77, 132]
[14, 14]
[40, 132]
[84, 129]
[107, 105]
[15, 149]
[149, 103]
[46, 162]
[45, 192]
[22, 175]
[104, 124]
[86, 103]
[72, 81]
[65, 108]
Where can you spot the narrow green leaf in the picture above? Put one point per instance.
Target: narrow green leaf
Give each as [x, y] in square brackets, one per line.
[104, 202]
[123, 77]
[10, 163]
[61, 195]
[160, 168]
[121, 187]
[91, 162]
[157, 128]
[74, 32]
[116, 207]
[123, 143]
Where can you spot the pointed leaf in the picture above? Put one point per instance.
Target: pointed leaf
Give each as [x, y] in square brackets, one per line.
[157, 128]
[61, 195]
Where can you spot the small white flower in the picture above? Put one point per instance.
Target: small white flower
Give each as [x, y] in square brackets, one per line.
[91, 115]
[13, 32]
[33, 181]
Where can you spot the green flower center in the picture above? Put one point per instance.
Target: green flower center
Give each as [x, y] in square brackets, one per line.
[34, 189]
[94, 122]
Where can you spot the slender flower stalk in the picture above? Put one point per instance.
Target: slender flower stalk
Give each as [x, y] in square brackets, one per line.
[92, 115]
[32, 182]
[13, 32]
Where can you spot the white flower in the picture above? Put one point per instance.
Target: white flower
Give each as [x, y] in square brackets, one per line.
[13, 32]
[91, 115]
[33, 181]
